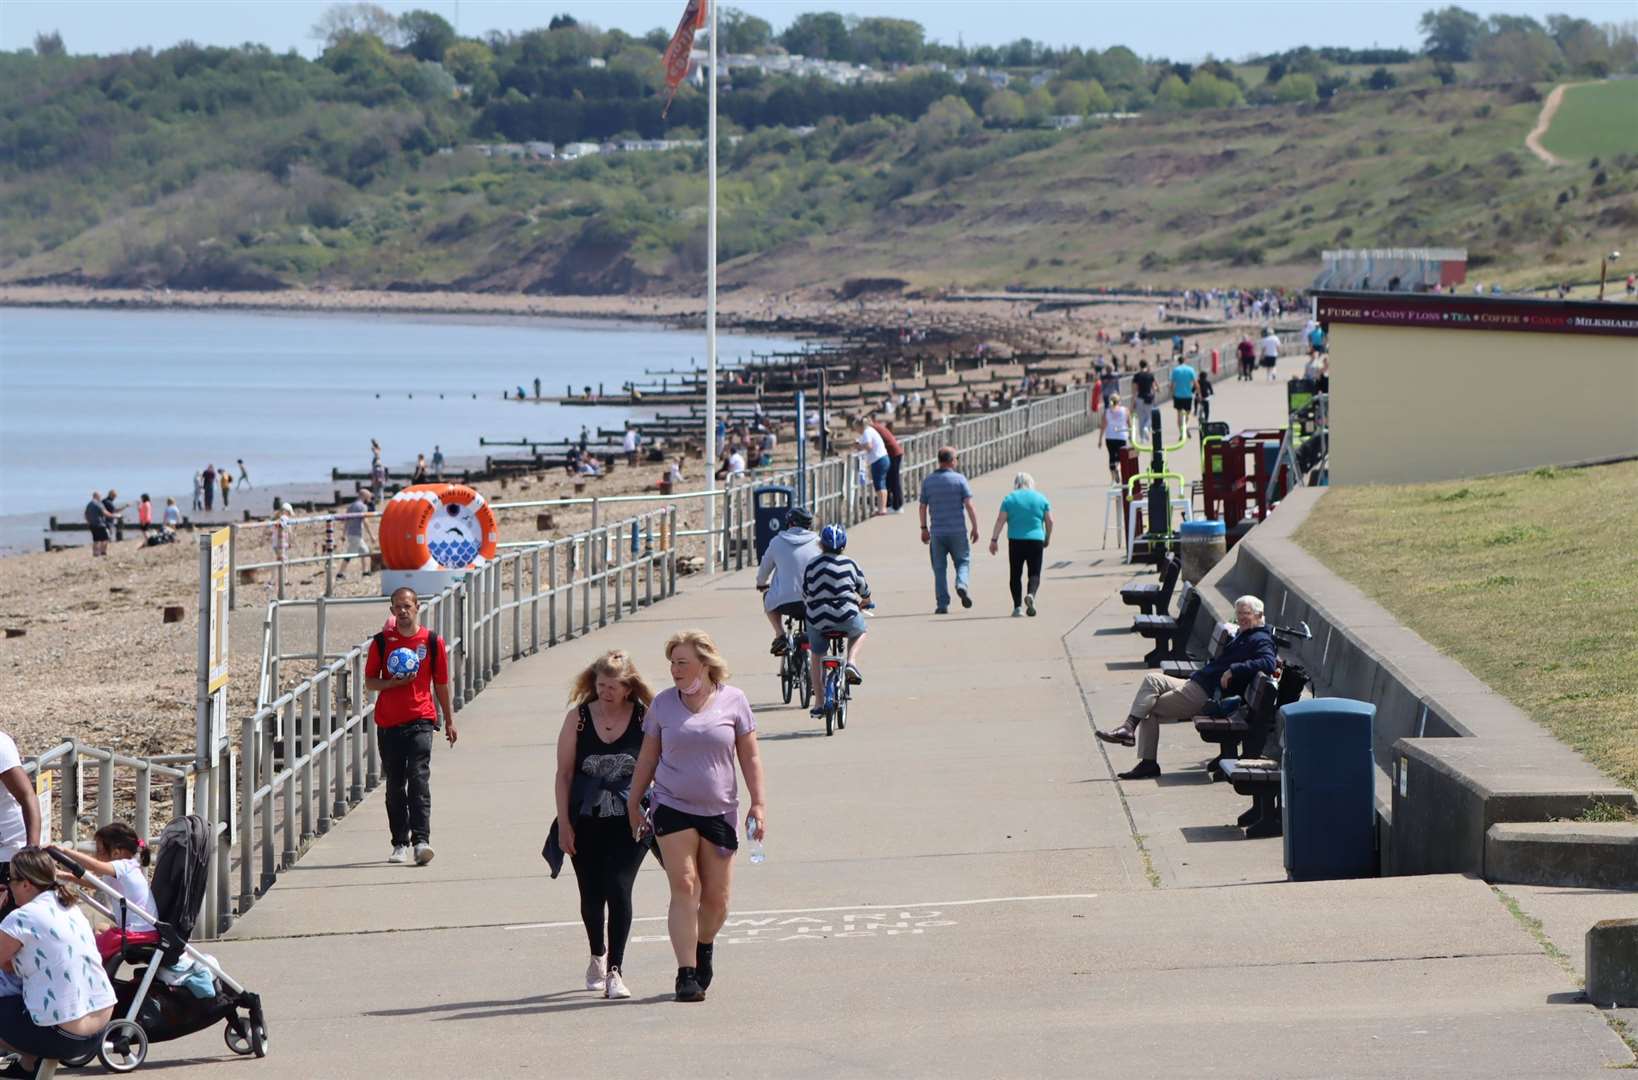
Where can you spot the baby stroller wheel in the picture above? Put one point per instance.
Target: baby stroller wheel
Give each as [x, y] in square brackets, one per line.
[258, 1038]
[79, 1062]
[124, 1046]
[236, 1039]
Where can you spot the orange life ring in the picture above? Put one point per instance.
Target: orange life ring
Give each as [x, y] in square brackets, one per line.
[437, 527]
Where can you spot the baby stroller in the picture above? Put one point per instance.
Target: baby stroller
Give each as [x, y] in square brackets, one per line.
[149, 1009]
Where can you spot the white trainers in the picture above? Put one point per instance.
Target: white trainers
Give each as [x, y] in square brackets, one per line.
[1018, 613]
[423, 853]
[400, 854]
[597, 973]
[615, 987]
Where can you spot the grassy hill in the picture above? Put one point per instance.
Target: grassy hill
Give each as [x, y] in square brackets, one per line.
[356, 192]
[1595, 120]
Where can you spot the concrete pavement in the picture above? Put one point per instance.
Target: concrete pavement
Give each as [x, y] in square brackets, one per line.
[954, 885]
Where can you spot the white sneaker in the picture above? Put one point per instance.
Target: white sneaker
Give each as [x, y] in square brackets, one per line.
[597, 973]
[423, 853]
[616, 986]
[1018, 613]
[400, 854]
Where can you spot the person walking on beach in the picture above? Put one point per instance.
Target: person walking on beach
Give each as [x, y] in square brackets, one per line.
[114, 512]
[198, 491]
[692, 735]
[145, 514]
[405, 718]
[1184, 377]
[946, 498]
[895, 462]
[420, 474]
[357, 539]
[1028, 517]
[876, 459]
[1143, 388]
[1270, 353]
[19, 812]
[209, 478]
[226, 480]
[1202, 399]
[438, 463]
[1113, 432]
[378, 478]
[597, 750]
[629, 443]
[244, 475]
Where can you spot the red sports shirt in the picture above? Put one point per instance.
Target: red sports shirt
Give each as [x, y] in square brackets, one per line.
[405, 704]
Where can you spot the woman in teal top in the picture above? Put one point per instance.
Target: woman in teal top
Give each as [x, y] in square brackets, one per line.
[1028, 517]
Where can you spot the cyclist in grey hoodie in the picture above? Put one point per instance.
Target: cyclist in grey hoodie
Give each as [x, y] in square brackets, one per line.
[780, 575]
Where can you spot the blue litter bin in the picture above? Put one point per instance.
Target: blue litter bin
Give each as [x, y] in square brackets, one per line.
[1328, 789]
[769, 505]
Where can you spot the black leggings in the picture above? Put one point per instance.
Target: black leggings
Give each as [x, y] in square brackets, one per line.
[1020, 553]
[606, 861]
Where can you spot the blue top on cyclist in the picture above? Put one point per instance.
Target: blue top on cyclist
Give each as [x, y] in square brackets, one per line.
[780, 574]
[833, 586]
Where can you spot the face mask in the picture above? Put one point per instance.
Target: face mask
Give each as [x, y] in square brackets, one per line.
[693, 687]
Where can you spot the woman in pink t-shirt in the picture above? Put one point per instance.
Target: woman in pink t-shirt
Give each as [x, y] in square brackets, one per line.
[691, 736]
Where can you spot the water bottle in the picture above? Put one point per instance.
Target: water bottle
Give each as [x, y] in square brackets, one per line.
[753, 832]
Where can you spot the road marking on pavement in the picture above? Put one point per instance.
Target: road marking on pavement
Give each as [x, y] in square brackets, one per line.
[906, 910]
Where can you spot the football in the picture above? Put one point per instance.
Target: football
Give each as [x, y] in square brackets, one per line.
[402, 662]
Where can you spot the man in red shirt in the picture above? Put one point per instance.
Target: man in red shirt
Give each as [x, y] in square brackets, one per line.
[895, 458]
[405, 718]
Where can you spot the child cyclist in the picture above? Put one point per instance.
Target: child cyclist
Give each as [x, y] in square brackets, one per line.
[121, 855]
[832, 587]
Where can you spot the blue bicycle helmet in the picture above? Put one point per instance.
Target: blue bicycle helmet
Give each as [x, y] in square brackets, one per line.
[833, 538]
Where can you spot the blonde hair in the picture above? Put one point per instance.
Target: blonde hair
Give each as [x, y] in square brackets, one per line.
[698, 640]
[614, 664]
[1023, 480]
[35, 866]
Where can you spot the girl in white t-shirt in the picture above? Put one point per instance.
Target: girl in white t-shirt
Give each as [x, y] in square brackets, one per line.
[120, 859]
[1114, 429]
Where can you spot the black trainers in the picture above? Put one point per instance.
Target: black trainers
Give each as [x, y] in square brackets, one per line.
[966, 601]
[702, 964]
[688, 985]
[1143, 770]
[779, 646]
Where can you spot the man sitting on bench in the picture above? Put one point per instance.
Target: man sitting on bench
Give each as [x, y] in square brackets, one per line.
[1162, 697]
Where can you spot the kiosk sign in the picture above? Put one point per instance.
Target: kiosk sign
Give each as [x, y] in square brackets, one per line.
[218, 632]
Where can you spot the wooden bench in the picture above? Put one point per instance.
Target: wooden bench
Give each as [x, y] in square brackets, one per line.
[1221, 635]
[1249, 724]
[1150, 597]
[1168, 632]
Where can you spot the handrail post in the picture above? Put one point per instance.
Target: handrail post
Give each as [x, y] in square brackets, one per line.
[303, 743]
[497, 579]
[247, 811]
[534, 600]
[70, 777]
[366, 723]
[602, 564]
[105, 790]
[144, 799]
[264, 779]
[323, 637]
[355, 743]
[551, 593]
[321, 750]
[233, 570]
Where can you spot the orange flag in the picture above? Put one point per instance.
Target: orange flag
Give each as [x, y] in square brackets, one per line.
[682, 44]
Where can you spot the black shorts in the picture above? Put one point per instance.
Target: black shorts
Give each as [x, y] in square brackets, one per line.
[1183, 404]
[796, 609]
[1115, 447]
[719, 829]
[99, 535]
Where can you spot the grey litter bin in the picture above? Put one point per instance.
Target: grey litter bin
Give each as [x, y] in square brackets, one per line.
[1202, 544]
[769, 505]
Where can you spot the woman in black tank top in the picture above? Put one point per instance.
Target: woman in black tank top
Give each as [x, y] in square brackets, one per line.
[596, 754]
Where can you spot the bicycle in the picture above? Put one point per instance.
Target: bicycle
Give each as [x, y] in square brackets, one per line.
[837, 690]
[795, 675]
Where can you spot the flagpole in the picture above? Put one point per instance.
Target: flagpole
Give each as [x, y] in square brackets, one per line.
[711, 299]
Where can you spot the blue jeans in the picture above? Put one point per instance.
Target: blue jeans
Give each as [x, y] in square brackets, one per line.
[956, 548]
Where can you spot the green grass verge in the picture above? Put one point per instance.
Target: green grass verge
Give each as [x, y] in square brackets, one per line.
[1595, 120]
[1526, 580]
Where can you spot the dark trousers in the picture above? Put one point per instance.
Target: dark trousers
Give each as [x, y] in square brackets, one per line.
[1022, 553]
[406, 763]
[606, 861]
[895, 487]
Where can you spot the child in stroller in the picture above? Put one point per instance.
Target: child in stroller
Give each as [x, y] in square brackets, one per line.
[195, 992]
[120, 861]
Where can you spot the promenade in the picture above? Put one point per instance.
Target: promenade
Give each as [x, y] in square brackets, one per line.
[956, 885]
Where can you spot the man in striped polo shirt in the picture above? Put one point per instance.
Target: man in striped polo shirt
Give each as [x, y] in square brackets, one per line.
[832, 587]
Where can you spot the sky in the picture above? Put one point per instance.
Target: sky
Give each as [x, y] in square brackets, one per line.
[1185, 30]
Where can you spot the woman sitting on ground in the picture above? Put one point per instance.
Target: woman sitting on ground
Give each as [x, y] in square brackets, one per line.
[47, 944]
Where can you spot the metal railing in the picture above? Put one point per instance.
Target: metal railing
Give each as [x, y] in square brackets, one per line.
[307, 754]
[67, 763]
